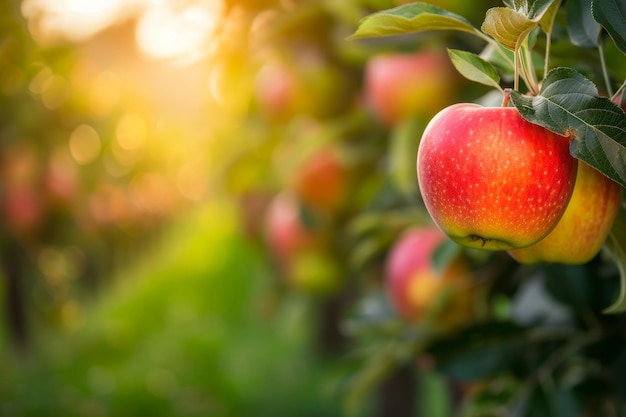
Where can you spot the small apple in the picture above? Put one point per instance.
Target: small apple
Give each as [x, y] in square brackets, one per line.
[398, 86]
[321, 180]
[586, 223]
[285, 232]
[22, 209]
[492, 180]
[414, 285]
[276, 90]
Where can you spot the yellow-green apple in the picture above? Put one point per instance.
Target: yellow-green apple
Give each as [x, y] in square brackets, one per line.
[584, 226]
[321, 181]
[492, 180]
[414, 284]
[398, 86]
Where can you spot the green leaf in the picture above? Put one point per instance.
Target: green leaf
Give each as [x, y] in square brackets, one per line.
[547, 19]
[445, 254]
[474, 68]
[479, 351]
[582, 29]
[507, 26]
[616, 246]
[569, 105]
[611, 14]
[410, 18]
[540, 7]
[403, 153]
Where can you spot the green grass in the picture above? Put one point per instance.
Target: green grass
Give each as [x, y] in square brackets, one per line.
[193, 329]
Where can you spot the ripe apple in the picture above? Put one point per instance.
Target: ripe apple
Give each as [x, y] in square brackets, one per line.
[414, 285]
[398, 86]
[300, 251]
[582, 230]
[276, 90]
[22, 209]
[490, 179]
[321, 181]
[286, 234]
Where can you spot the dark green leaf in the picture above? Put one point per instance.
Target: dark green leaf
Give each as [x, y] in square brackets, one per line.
[569, 105]
[445, 254]
[616, 246]
[611, 14]
[479, 351]
[410, 18]
[582, 29]
[569, 284]
[474, 68]
[507, 26]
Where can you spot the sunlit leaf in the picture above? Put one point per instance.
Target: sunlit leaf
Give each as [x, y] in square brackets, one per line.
[569, 105]
[616, 246]
[582, 29]
[507, 26]
[611, 14]
[410, 18]
[474, 68]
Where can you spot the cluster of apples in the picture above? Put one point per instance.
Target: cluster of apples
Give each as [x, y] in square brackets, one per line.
[489, 179]
[492, 180]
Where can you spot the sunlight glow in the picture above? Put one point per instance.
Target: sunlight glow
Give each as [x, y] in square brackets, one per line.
[164, 31]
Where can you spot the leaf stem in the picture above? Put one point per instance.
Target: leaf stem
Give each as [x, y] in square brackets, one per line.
[496, 45]
[605, 71]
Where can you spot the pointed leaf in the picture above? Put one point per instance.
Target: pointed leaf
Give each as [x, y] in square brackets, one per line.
[616, 246]
[569, 105]
[548, 16]
[540, 7]
[582, 29]
[611, 14]
[410, 18]
[507, 26]
[474, 68]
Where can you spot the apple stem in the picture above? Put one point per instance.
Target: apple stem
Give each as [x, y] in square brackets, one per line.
[506, 97]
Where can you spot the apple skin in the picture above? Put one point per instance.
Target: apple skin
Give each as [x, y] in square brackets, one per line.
[321, 181]
[490, 179]
[398, 86]
[585, 225]
[413, 283]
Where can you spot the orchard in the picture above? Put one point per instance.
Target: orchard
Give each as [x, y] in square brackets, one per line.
[321, 208]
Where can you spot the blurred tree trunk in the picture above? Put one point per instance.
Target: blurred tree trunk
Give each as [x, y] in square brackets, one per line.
[397, 396]
[15, 306]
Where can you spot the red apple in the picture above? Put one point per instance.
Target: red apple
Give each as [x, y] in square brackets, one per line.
[301, 252]
[22, 209]
[321, 180]
[276, 90]
[285, 232]
[414, 285]
[586, 223]
[490, 179]
[398, 86]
